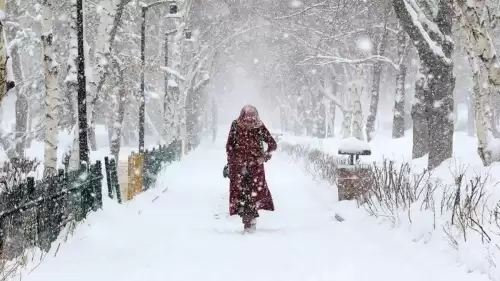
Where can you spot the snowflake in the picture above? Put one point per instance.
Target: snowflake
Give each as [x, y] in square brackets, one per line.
[296, 4]
[364, 44]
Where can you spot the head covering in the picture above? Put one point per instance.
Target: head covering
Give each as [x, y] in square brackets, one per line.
[249, 117]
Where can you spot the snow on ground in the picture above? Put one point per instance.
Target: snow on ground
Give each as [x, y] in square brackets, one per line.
[383, 146]
[426, 227]
[180, 231]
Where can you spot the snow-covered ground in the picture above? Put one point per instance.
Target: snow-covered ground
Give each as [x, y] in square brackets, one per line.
[424, 226]
[180, 231]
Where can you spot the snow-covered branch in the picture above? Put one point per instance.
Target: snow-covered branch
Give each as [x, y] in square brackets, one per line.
[324, 60]
[173, 72]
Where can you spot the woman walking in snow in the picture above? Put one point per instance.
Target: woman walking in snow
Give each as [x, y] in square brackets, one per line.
[248, 191]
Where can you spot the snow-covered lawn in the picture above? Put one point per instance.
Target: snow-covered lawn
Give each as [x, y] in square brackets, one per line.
[180, 231]
[424, 226]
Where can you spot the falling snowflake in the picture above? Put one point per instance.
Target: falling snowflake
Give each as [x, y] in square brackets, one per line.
[364, 44]
[296, 4]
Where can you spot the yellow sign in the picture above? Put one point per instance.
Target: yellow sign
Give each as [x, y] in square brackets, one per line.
[135, 177]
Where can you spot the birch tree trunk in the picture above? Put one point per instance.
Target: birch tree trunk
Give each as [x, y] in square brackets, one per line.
[330, 106]
[3, 54]
[111, 18]
[72, 86]
[22, 104]
[377, 72]
[348, 112]
[471, 115]
[118, 124]
[51, 91]
[474, 21]
[357, 124]
[100, 62]
[482, 111]
[172, 102]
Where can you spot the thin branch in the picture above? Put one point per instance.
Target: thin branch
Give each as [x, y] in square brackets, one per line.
[301, 12]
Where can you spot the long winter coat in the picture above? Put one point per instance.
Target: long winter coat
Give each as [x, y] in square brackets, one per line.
[244, 148]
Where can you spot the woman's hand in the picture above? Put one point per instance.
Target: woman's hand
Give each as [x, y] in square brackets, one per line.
[265, 158]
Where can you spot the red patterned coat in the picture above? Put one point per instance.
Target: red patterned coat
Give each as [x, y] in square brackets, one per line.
[248, 143]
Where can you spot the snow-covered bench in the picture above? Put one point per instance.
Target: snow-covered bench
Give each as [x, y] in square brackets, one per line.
[354, 148]
[353, 179]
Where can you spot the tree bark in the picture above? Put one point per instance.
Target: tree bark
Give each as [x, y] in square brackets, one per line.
[398, 126]
[348, 112]
[377, 72]
[471, 124]
[51, 91]
[22, 104]
[357, 124]
[418, 114]
[474, 21]
[72, 87]
[434, 47]
[118, 124]
[398, 121]
[109, 23]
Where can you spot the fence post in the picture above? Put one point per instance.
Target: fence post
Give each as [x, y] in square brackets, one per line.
[108, 177]
[146, 169]
[85, 190]
[97, 185]
[114, 179]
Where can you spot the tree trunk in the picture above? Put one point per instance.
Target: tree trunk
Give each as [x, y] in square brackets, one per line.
[440, 122]
[72, 88]
[357, 124]
[22, 104]
[434, 46]
[171, 116]
[110, 21]
[471, 124]
[475, 22]
[418, 114]
[3, 60]
[377, 72]
[375, 97]
[51, 91]
[398, 121]
[118, 124]
[482, 111]
[347, 121]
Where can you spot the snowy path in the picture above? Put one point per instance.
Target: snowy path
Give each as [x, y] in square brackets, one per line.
[185, 234]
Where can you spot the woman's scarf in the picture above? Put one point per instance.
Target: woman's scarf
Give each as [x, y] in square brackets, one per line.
[249, 117]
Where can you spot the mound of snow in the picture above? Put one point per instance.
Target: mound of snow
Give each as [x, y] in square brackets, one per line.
[353, 146]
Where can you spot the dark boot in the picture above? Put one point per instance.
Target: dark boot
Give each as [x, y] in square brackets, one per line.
[247, 223]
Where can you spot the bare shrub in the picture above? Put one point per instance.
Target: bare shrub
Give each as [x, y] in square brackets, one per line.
[15, 172]
[394, 188]
[320, 165]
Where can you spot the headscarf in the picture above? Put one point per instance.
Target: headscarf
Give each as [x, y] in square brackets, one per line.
[249, 117]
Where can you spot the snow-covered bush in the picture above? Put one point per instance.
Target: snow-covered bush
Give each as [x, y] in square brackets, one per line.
[15, 172]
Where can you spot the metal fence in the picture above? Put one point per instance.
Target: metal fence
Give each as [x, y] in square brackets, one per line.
[33, 213]
[155, 158]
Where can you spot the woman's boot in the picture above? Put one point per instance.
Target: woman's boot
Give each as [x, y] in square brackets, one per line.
[253, 224]
[247, 223]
